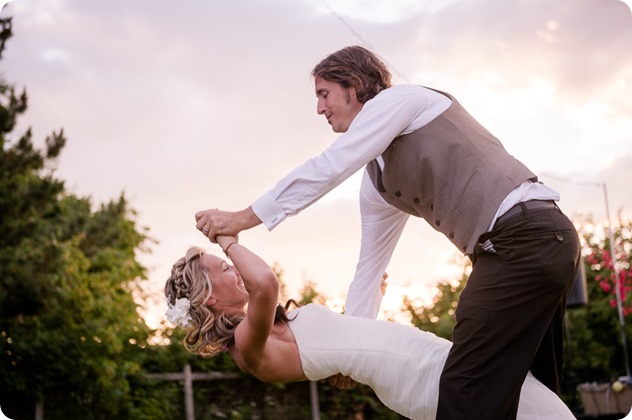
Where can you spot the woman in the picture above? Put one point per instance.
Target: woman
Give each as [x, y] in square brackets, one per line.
[208, 297]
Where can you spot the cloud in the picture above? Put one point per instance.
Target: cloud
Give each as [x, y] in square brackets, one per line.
[584, 195]
[208, 103]
[578, 47]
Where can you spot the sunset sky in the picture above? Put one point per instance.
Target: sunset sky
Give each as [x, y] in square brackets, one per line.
[201, 104]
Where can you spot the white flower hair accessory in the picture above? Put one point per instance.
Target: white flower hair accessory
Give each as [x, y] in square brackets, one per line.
[178, 314]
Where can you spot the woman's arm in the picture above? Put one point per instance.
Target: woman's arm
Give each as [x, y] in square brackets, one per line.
[262, 286]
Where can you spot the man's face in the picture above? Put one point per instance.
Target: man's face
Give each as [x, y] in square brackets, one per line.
[339, 105]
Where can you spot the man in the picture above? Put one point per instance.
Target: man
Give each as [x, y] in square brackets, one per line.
[426, 156]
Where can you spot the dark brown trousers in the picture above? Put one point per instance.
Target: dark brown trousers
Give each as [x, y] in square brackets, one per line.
[510, 315]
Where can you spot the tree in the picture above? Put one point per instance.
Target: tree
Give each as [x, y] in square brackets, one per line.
[70, 334]
[309, 294]
[594, 347]
[439, 316]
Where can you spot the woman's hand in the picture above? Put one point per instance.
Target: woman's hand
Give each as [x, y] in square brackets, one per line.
[341, 381]
[224, 241]
[384, 283]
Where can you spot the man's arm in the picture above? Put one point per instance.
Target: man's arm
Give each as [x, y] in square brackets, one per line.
[382, 226]
[381, 119]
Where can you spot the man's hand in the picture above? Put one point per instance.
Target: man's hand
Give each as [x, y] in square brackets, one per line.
[341, 381]
[384, 283]
[215, 222]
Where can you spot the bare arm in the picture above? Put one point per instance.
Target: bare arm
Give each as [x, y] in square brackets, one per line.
[215, 222]
[263, 291]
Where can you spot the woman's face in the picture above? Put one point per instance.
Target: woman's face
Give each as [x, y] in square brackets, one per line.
[228, 289]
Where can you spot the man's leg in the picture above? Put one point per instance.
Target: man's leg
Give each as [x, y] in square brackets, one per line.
[547, 363]
[512, 297]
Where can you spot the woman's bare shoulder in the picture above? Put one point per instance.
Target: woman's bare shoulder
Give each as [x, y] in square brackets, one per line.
[279, 361]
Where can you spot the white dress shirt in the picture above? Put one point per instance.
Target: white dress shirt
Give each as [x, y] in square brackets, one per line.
[398, 110]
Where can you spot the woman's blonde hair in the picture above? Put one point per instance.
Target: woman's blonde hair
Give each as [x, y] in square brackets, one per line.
[209, 332]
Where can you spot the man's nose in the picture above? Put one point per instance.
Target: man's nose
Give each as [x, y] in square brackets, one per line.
[320, 108]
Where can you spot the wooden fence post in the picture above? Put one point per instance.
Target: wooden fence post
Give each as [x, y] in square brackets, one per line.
[188, 393]
[39, 409]
[187, 376]
[313, 398]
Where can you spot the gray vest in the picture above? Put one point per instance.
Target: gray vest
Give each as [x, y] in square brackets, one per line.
[451, 172]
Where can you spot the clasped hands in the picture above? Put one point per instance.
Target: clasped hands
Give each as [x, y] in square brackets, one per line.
[215, 222]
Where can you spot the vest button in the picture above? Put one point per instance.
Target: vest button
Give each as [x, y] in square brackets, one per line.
[432, 207]
[398, 194]
[416, 200]
[438, 222]
[451, 235]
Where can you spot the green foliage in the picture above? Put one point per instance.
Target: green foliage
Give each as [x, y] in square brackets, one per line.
[438, 317]
[359, 402]
[69, 331]
[594, 346]
[309, 294]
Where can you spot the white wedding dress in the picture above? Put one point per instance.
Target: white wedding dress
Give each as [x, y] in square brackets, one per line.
[402, 364]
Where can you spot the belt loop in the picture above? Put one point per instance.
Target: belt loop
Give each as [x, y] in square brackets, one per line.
[525, 211]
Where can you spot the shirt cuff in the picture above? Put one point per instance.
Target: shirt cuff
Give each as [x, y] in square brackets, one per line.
[268, 211]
